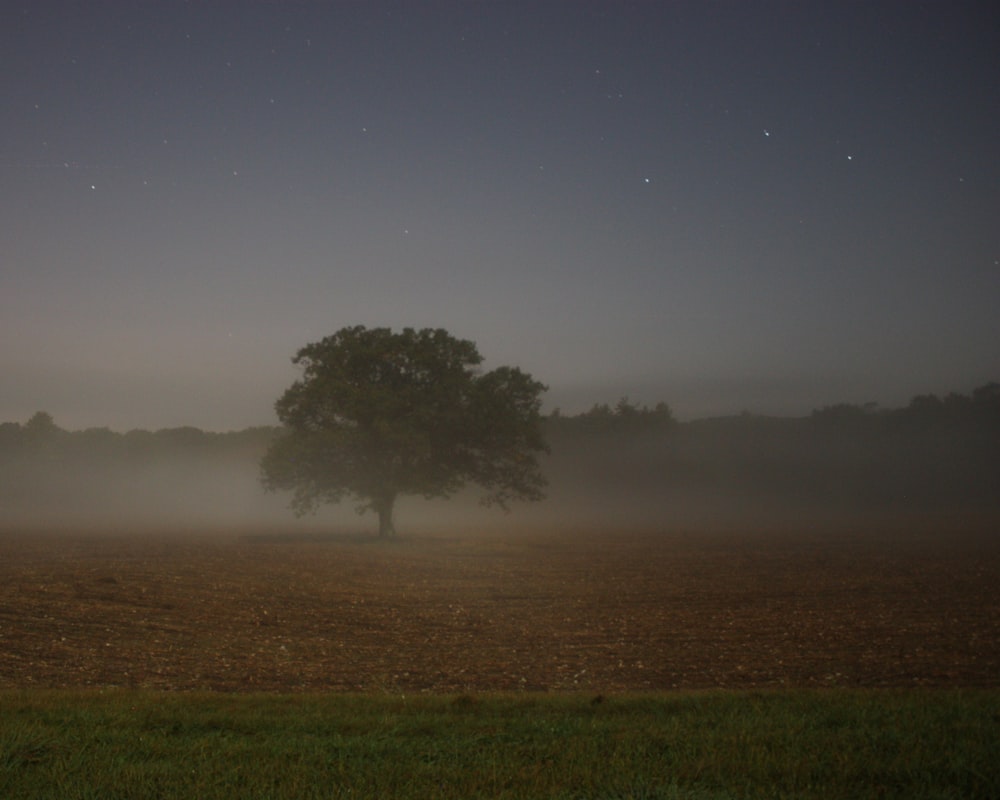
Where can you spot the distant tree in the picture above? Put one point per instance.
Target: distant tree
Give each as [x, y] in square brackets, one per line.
[41, 437]
[41, 426]
[379, 414]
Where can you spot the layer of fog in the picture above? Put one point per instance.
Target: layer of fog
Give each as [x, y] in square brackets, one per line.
[197, 493]
[736, 473]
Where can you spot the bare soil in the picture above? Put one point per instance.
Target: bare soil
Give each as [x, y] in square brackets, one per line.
[563, 610]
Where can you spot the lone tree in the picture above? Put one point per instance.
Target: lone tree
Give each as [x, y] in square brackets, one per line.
[379, 414]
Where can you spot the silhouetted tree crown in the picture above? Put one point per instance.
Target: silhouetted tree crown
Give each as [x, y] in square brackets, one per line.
[41, 426]
[379, 414]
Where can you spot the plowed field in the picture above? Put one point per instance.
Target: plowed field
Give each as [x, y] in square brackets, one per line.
[542, 611]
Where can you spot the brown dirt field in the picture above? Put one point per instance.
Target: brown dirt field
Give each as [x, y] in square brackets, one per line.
[543, 611]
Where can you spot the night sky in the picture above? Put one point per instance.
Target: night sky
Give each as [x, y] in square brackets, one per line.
[725, 206]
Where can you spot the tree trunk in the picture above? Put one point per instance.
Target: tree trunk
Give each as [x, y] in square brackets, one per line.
[386, 527]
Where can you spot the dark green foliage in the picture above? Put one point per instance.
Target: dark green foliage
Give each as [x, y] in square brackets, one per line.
[379, 414]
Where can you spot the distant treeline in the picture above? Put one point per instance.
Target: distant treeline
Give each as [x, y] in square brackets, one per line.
[97, 475]
[936, 452]
[952, 415]
[40, 435]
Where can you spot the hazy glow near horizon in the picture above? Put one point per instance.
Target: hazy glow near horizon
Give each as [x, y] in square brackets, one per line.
[725, 207]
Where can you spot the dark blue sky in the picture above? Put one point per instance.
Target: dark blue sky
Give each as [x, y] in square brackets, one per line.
[725, 206]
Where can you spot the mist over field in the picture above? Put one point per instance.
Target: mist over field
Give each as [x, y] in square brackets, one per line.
[723, 206]
[621, 467]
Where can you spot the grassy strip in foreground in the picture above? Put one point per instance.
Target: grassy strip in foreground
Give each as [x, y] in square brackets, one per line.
[710, 746]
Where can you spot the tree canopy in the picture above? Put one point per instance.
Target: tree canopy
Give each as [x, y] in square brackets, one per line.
[378, 414]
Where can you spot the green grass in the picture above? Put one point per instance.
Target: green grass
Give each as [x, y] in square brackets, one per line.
[704, 746]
